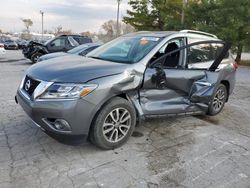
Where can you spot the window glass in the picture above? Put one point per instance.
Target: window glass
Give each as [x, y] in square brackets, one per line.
[173, 60]
[58, 42]
[72, 41]
[78, 49]
[83, 40]
[202, 55]
[88, 50]
[125, 49]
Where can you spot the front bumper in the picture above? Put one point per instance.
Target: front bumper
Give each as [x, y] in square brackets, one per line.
[78, 113]
[11, 47]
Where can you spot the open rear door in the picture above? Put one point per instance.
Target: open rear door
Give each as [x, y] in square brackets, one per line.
[202, 90]
[187, 87]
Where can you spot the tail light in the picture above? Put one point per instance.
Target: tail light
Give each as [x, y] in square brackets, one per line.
[1, 45]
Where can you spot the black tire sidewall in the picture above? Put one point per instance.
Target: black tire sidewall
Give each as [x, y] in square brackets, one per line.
[211, 110]
[34, 55]
[97, 132]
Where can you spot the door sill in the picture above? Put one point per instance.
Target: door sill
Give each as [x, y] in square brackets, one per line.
[174, 114]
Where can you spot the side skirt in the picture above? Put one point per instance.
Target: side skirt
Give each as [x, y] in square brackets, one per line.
[173, 115]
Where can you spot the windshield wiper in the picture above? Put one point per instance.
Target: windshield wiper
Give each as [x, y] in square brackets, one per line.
[112, 60]
[94, 57]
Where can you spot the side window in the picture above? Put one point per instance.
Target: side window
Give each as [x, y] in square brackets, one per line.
[173, 60]
[58, 42]
[72, 41]
[85, 52]
[202, 56]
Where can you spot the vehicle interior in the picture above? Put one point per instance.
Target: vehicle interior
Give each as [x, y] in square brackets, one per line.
[173, 60]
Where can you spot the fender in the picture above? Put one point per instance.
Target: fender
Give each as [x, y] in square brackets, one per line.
[41, 49]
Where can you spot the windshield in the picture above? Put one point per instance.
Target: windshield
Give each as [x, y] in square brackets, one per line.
[77, 49]
[125, 49]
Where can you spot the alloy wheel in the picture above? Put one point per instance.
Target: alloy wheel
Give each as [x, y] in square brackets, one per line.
[116, 125]
[36, 58]
[219, 100]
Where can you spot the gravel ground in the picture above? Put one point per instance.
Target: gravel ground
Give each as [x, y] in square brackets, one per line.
[189, 151]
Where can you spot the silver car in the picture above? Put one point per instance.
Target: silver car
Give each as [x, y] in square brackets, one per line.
[132, 78]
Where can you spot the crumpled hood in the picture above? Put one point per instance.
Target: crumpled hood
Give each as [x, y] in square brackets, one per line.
[74, 69]
[35, 43]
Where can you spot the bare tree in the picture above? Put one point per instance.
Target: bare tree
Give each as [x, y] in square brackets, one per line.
[58, 29]
[127, 28]
[109, 29]
[27, 23]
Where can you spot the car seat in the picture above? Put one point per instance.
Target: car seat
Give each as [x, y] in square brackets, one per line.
[172, 60]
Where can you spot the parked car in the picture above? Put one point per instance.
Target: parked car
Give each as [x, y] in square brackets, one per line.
[62, 43]
[81, 50]
[134, 77]
[10, 45]
[21, 43]
[2, 50]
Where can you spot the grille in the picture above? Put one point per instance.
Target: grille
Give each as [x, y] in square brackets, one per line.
[33, 84]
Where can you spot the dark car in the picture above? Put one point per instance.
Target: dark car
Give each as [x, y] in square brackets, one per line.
[81, 50]
[21, 43]
[10, 45]
[62, 43]
[134, 77]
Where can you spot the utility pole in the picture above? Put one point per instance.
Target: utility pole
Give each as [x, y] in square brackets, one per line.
[41, 12]
[184, 4]
[117, 20]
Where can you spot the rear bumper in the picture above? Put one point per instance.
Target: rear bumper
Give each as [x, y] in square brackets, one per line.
[78, 113]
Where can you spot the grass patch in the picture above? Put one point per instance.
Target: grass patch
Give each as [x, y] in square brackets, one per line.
[245, 62]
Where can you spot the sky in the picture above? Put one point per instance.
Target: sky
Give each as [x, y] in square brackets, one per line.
[75, 15]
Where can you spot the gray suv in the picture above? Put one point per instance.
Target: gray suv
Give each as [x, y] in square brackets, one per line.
[134, 77]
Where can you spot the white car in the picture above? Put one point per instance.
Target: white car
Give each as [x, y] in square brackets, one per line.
[2, 50]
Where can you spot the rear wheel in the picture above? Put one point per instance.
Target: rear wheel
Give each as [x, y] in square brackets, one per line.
[35, 56]
[114, 124]
[218, 101]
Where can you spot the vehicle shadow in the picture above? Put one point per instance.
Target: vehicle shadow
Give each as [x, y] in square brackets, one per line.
[3, 60]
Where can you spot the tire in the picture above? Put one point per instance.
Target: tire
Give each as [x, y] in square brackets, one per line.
[35, 57]
[218, 100]
[109, 129]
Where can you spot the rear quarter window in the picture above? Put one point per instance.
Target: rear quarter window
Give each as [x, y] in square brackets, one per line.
[83, 40]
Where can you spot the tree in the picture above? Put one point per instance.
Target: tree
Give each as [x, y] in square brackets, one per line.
[27, 23]
[127, 28]
[59, 31]
[140, 17]
[155, 14]
[109, 30]
[228, 19]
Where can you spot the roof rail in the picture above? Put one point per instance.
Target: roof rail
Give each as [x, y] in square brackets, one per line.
[199, 32]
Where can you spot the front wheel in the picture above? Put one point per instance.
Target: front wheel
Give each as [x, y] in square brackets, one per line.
[114, 124]
[218, 100]
[35, 56]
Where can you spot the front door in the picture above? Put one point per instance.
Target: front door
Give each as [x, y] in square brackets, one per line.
[57, 45]
[181, 77]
